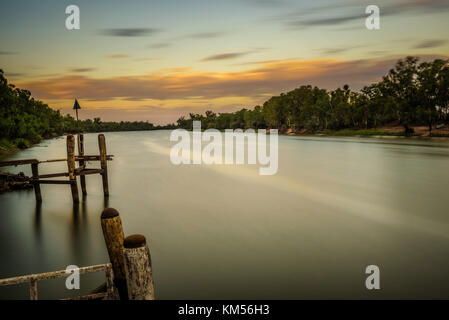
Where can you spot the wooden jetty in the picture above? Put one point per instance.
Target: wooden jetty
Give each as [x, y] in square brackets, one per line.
[129, 274]
[72, 171]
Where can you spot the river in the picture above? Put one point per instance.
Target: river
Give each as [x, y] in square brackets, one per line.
[335, 206]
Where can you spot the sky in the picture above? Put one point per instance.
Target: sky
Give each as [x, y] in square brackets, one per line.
[158, 60]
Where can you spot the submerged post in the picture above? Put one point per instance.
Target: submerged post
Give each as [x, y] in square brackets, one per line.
[82, 162]
[139, 276]
[103, 163]
[114, 237]
[71, 167]
[36, 185]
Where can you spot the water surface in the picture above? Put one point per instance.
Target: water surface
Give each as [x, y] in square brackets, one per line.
[335, 206]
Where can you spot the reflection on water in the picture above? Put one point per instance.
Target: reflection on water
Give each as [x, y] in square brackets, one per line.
[335, 206]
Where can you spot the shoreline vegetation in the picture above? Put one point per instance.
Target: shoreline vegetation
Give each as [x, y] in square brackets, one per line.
[25, 121]
[411, 100]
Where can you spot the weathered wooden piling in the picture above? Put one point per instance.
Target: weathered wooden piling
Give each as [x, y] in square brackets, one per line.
[71, 167]
[36, 185]
[114, 238]
[103, 163]
[81, 162]
[139, 275]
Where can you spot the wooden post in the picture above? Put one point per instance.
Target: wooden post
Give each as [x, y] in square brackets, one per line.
[139, 275]
[71, 167]
[36, 185]
[103, 163]
[33, 289]
[111, 291]
[81, 162]
[114, 237]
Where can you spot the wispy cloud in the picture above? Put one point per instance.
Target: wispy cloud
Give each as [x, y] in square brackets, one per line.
[225, 56]
[349, 11]
[129, 32]
[79, 70]
[148, 59]
[15, 74]
[266, 3]
[159, 45]
[337, 50]
[117, 56]
[8, 52]
[205, 35]
[430, 43]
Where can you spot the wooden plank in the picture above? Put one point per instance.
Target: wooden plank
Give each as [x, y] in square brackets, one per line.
[92, 296]
[109, 157]
[85, 172]
[54, 182]
[17, 162]
[53, 175]
[78, 158]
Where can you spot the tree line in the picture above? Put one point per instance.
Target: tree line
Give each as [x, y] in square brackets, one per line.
[411, 94]
[25, 120]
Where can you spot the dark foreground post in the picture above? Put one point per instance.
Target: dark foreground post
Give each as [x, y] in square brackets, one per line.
[103, 163]
[139, 276]
[71, 167]
[113, 236]
[36, 185]
[81, 162]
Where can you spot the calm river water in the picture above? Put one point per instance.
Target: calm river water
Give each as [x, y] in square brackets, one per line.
[335, 206]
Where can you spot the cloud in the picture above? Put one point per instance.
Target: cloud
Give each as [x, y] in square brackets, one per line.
[148, 59]
[348, 11]
[15, 74]
[225, 56]
[159, 45]
[129, 32]
[117, 56]
[8, 52]
[331, 51]
[430, 43]
[205, 35]
[266, 3]
[78, 70]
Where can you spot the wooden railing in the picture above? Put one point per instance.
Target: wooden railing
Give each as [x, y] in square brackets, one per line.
[32, 279]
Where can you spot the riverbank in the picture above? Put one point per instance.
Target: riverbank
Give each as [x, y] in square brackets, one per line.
[8, 146]
[397, 131]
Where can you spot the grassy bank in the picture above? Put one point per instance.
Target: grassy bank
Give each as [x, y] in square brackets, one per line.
[368, 132]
